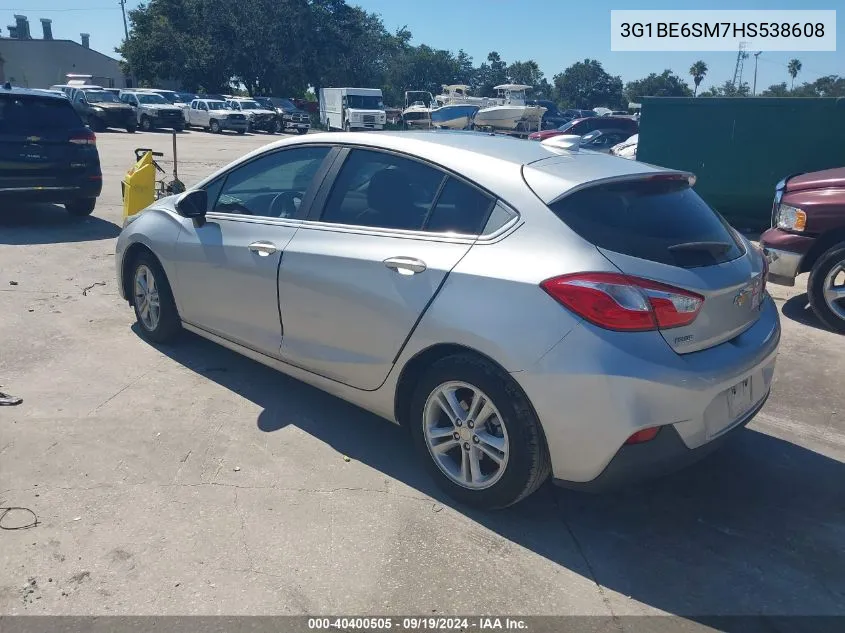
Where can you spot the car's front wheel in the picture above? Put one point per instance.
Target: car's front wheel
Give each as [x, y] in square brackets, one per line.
[477, 433]
[146, 123]
[826, 288]
[214, 126]
[152, 300]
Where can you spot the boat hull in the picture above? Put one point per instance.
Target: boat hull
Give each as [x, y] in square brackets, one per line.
[509, 117]
[454, 117]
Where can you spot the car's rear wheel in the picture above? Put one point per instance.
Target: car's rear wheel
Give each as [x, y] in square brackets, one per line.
[477, 433]
[152, 300]
[242, 131]
[81, 207]
[146, 123]
[826, 288]
[131, 128]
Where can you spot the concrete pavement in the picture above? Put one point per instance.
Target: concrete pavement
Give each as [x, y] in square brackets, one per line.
[189, 480]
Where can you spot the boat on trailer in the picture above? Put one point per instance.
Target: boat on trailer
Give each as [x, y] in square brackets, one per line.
[510, 112]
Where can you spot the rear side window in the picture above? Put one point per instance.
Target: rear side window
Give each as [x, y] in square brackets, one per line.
[459, 209]
[660, 221]
[25, 114]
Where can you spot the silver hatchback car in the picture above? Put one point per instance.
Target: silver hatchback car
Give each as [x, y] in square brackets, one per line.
[524, 309]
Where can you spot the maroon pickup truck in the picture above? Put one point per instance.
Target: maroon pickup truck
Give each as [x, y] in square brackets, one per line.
[808, 235]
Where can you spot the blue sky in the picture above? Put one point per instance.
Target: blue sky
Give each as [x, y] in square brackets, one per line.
[555, 33]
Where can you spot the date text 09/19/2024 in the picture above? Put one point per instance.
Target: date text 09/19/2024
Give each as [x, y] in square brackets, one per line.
[412, 623]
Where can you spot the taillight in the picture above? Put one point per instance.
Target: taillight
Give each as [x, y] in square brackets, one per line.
[84, 138]
[620, 302]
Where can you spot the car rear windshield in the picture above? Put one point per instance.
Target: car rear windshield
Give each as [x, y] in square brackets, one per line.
[662, 221]
[30, 114]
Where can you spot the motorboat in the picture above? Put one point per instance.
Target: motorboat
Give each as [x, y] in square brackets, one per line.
[510, 112]
[455, 116]
[454, 108]
[417, 111]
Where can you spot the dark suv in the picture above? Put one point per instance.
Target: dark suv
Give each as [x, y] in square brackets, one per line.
[47, 154]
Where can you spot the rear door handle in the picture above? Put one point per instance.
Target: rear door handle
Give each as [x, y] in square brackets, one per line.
[405, 265]
[263, 248]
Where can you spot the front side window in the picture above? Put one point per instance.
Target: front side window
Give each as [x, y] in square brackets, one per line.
[271, 186]
[380, 190]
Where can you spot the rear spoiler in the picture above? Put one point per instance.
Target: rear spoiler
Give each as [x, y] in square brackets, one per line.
[676, 176]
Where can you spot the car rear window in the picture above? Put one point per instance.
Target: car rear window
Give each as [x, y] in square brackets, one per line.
[25, 113]
[662, 221]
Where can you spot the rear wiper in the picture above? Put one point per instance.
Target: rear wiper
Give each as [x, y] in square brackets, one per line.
[712, 247]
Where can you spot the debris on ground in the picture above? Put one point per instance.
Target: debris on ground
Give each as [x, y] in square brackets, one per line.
[87, 288]
[13, 283]
[236, 468]
[7, 400]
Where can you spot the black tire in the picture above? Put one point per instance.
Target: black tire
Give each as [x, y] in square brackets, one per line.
[146, 123]
[347, 127]
[169, 324]
[214, 126]
[241, 132]
[132, 129]
[179, 128]
[96, 124]
[528, 463]
[301, 131]
[81, 207]
[278, 128]
[815, 287]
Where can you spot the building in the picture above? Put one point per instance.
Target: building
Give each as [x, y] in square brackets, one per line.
[40, 63]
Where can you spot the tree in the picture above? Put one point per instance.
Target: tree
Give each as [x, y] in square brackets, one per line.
[698, 70]
[666, 84]
[587, 85]
[466, 69]
[526, 73]
[793, 68]
[490, 74]
[776, 90]
[728, 89]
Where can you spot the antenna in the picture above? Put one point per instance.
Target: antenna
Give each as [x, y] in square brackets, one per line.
[740, 58]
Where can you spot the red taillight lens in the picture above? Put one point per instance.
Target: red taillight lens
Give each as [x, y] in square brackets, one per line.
[620, 302]
[84, 138]
[646, 435]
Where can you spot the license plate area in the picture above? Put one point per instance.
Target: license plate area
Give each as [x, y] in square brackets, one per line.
[739, 401]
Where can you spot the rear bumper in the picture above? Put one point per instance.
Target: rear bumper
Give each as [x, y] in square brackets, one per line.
[665, 454]
[596, 388]
[785, 252]
[55, 193]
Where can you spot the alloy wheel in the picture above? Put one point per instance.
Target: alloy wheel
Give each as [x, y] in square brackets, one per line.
[834, 290]
[146, 298]
[466, 435]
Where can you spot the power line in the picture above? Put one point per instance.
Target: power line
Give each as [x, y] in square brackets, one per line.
[31, 10]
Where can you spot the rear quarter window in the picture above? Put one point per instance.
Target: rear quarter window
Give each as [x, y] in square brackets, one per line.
[658, 220]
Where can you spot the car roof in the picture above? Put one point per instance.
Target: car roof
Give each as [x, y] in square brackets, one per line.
[14, 90]
[484, 158]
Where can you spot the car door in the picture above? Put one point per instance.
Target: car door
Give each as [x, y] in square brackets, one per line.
[226, 269]
[80, 104]
[358, 275]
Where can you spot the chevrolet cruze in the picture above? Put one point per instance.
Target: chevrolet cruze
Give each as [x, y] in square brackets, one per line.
[525, 309]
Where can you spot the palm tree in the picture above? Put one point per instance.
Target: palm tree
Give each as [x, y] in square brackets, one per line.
[793, 68]
[697, 70]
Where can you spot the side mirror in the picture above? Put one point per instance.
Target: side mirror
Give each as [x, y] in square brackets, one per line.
[193, 204]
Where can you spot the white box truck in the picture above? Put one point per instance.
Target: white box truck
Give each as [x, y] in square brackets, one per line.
[352, 109]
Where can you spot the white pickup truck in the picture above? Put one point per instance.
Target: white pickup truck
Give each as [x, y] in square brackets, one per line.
[215, 116]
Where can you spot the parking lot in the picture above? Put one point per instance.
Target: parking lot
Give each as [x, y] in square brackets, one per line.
[190, 480]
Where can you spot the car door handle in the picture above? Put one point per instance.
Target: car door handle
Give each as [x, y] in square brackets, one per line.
[405, 265]
[263, 248]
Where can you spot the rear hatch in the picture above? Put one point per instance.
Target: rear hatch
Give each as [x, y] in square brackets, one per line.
[653, 226]
[43, 142]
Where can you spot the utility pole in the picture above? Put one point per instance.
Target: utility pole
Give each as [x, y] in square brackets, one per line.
[754, 90]
[122, 4]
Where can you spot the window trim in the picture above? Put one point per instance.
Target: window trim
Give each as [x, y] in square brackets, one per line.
[313, 219]
[307, 200]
